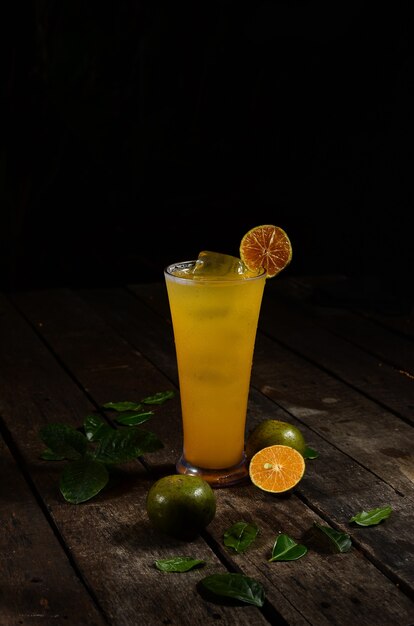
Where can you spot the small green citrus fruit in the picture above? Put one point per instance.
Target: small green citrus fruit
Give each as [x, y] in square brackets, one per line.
[272, 432]
[181, 505]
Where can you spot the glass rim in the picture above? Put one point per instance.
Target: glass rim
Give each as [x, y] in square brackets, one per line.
[168, 272]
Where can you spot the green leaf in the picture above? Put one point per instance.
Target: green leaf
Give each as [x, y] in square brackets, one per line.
[49, 455]
[372, 517]
[286, 549]
[310, 453]
[178, 564]
[64, 440]
[82, 480]
[123, 406]
[120, 446]
[236, 586]
[134, 419]
[158, 398]
[240, 536]
[339, 542]
[95, 427]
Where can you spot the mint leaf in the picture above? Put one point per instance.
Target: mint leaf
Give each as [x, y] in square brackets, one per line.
[286, 549]
[178, 564]
[236, 586]
[372, 517]
[158, 398]
[337, 541]
[64, 441]
[81, 480]
[240, 536]
[120, 446]
[96, 428]
[310, 453]
[134, 419]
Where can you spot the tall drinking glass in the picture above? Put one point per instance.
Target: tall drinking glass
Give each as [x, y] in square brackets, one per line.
[215, 305]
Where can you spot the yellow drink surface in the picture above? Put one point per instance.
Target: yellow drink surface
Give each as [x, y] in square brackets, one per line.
[215, 323]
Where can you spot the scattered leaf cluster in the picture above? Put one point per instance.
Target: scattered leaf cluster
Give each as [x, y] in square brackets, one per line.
[241, 535]
[92, 450]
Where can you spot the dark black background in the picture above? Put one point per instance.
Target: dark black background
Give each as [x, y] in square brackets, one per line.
[139, 133]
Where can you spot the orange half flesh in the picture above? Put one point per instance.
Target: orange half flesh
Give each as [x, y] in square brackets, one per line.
[277, 468]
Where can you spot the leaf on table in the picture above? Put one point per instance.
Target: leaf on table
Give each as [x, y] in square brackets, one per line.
[101, 445]
[286, 549]
[372, 517]
[65, 441]
[49, 455]
[240, 536]
[178, 564]
[332, 539]
[82, 480]
[134, 419]
[236, 586]
[158, 398]
[121, 446]
[123, 406]
[310, 453]
[96, 428]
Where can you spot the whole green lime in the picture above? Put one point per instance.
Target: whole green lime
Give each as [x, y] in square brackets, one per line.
[272, 432]
[181, 505]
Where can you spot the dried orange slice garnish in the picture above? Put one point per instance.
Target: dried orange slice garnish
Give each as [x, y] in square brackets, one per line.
[277, 468]
[266, 247]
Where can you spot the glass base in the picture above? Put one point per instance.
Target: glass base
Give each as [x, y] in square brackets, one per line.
[216, 477]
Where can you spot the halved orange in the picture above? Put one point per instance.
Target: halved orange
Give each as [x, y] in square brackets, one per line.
[266, 247]
[277, 468]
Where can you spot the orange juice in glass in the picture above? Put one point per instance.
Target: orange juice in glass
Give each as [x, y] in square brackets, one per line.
[215, 305]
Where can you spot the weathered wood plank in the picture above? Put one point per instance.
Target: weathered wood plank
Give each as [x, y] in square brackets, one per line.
[357, 485]
[338, 292]
[380, 381]
[282, 592]
[337, 487]
[399, 319]
[327, 587]
[385, 343]
[368, 433]
[359, 427]
[117, 556]
[38, 583]
[403, 324]
[109, 538]
[130, 319]
[103, 364]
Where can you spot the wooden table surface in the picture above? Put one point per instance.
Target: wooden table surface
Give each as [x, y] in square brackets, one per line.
[343, 374]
